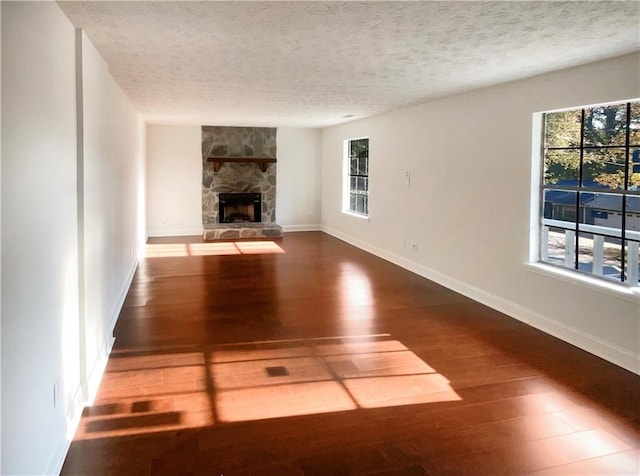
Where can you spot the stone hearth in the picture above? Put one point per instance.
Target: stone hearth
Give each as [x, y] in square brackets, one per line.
[230, 231]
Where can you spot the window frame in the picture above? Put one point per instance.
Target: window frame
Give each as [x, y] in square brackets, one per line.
[580, 226]
[347, 190]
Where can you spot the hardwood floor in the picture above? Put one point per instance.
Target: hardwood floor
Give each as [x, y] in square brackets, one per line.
[307, 356]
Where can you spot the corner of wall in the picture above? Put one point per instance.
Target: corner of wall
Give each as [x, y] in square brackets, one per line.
[1, 472]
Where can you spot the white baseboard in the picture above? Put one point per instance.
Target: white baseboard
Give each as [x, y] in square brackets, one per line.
[175, 232]
[99, 365]
[72, 420]
[73, 413]
[295, 228]
[124, 290]
[579, 338]
[97, 369]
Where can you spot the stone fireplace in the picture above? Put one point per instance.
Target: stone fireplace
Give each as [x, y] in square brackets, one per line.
[239, 164]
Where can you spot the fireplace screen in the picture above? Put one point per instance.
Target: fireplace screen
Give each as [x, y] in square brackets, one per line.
[240, 207]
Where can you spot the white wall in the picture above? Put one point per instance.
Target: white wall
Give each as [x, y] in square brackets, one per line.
[174, 179]
[470, 158]
[73, 198]
[0, 243]
[39, 230]
[298, 176]
[113, 202]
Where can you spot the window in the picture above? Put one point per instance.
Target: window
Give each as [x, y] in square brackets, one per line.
[356, 184]
[590, 191]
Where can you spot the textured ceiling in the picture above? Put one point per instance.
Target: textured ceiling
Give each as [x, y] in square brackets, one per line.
[310, 64]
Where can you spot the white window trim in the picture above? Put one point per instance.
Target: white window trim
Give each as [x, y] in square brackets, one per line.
[619, 290]
[345, 183]
[630, 293]
[536, 207]
[357, 215]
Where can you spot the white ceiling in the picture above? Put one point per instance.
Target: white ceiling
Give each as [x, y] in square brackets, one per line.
[310, 64]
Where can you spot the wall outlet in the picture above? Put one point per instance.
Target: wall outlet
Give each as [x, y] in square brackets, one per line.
[407, 177]
[414, 247]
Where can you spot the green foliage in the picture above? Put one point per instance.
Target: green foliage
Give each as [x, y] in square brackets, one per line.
[604, 126]
[359, 148]
[562, 129]
[561, 165]
[616, 180]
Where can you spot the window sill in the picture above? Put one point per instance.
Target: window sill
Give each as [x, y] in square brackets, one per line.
[618, 290]
[356, 215]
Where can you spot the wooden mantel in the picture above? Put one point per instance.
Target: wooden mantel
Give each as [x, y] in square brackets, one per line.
[263, 162]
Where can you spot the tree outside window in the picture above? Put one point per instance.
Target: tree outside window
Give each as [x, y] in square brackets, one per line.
[590, 190]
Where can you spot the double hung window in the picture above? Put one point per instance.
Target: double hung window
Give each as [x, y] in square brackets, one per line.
[356, 189]
[590, 191]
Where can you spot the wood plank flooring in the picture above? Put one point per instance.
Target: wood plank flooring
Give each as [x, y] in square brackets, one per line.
[307, 356]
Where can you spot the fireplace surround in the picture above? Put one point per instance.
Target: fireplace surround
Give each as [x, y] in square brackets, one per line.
[239, 161]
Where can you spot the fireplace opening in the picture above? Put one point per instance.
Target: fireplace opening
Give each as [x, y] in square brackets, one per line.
[240, 208]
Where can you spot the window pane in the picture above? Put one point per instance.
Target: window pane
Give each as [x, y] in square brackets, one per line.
[362, 184]
[363, 147]
[585, 253]
[634, 129]
[562, 167]
[363, 168]
[632, 262]
[634, 170]
[562, 129]
[560, 205]
[354, 166]
[359, 148]
[601, 213]
[605, 125]
[554, 246]
[599, 255]
[603, 167]
[360, 203]
[612, 258]
[354, 184]
[366, 205]
[352, 202]
[633, 215]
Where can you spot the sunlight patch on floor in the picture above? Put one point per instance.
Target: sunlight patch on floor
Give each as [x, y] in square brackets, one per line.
[178, 388]
[318, 376]
[261, 402]
[166, 250]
